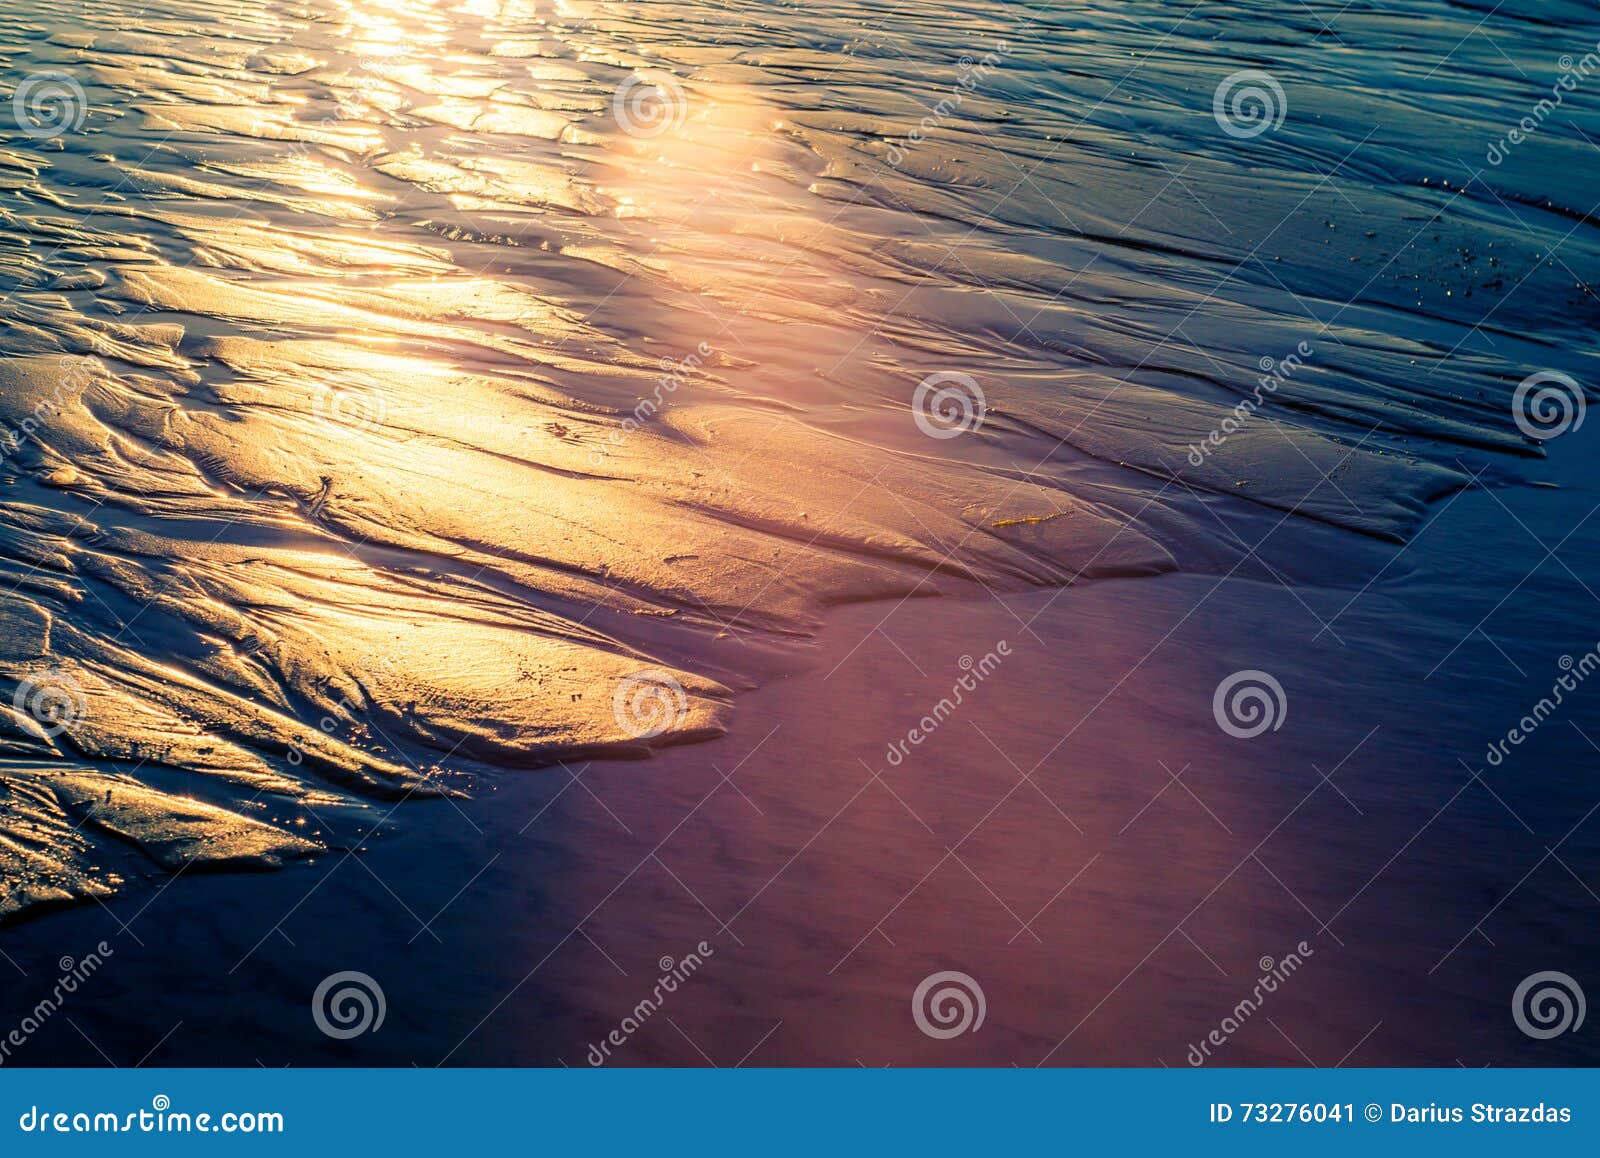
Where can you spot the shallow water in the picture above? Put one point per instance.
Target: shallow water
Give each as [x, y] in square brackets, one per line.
[407, 396]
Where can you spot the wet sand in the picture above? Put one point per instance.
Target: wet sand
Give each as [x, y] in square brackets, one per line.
[1111, 914]
[525, 535]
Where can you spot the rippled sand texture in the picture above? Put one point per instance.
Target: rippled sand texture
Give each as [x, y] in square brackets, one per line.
[376, 396]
